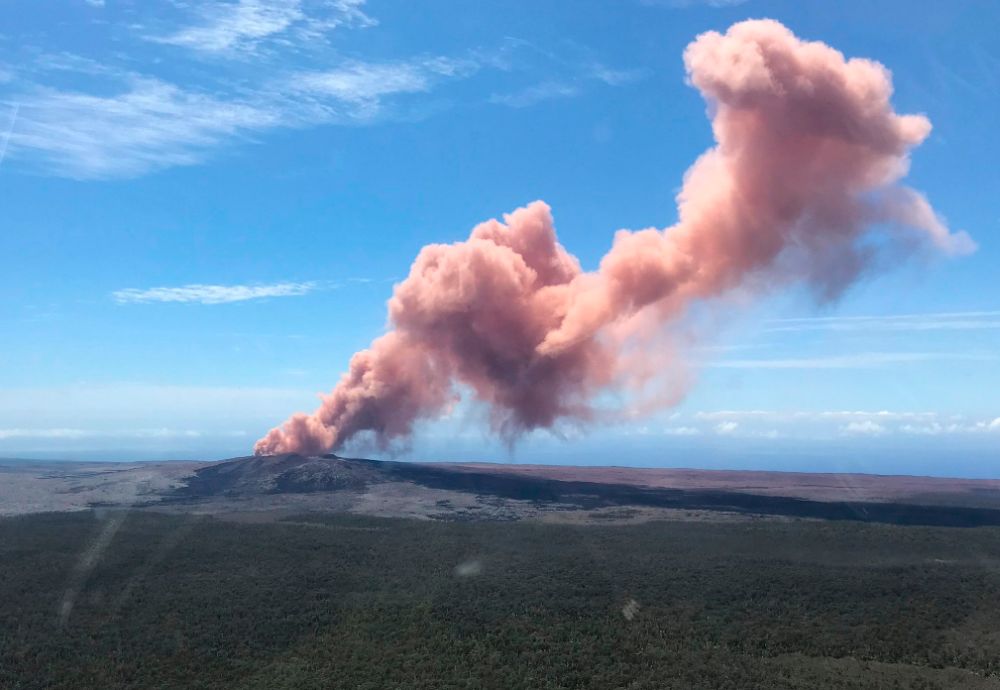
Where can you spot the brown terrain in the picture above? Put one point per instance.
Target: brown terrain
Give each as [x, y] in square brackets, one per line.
[814, 486]
[265, 488]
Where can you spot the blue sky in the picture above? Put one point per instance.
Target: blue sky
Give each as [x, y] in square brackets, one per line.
[205, 206]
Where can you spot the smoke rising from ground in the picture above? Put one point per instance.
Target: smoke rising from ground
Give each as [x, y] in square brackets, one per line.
[805, 169]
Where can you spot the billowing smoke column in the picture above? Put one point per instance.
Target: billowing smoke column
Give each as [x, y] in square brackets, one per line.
[808, 153]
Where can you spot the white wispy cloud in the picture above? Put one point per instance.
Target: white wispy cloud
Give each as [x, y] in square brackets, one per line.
[10, 128]
[363, 85]
[824, 423]
[41, 433]
[146, 124]
[72, 433]
[272, 68]
[680, 4]
[733, 428]
[108, 400]
[682, 431]
[124, 123]
[364, 82]
[102, 410]
[568, 87]
[212, 294]
[615, 77]
[863, 428]
[65, 61]
[149, 125]
[243, 25]
[531, 95]
[955, 426]
[725, 428]
[864, 360]
[784, 416]
[941, 321]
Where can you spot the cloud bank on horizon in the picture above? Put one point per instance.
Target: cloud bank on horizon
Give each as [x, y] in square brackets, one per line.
[800, 187]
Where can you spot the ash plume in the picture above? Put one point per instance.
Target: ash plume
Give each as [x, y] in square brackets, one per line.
[803, 174]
